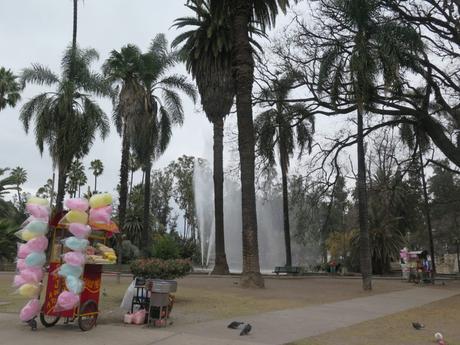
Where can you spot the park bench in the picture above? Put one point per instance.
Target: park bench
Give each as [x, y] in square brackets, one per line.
[294, 270]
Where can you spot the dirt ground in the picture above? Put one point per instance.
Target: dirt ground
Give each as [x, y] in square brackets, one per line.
[396, 329]
[203, 298]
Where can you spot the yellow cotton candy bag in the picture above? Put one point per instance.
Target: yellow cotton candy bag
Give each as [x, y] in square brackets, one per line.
[29, 290]
[27, 235]
[38, 201]
[100, 200]
[75, 216]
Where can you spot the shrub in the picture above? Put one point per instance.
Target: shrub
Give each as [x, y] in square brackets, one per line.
[129, 251]
[166, 248]
[161, 269]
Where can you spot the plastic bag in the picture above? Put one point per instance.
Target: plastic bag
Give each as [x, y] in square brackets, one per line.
[38, 244]
[38, 211]
[100, 215]
[23, 250]
[74, 258]
[29, 290]
[37, 201]
[74, 216]
[128, 318]
[37, 227]
[35, 259]
[78, 204]
[66, 300]
[69, 270]
[30, 310]
[74, 284]
[76, 244]
[79, 230]
[139, 317]
[32, 274]
[100, 200]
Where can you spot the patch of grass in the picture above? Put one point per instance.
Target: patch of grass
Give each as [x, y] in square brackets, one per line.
[442, 316]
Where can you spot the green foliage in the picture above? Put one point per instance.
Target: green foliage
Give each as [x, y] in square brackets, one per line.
[129, 251]
[7, 239]
[76, 178]
[9, 89]
[166, 248]
[161, 269]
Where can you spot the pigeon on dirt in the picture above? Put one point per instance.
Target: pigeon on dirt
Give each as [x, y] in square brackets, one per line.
[235, 324]
[246, 329]
[417, 325]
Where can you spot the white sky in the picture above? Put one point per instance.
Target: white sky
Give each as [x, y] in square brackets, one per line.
[38, 31]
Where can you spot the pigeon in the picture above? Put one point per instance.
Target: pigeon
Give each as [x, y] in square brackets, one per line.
[246, 329]
[235, 324]
[417, 325]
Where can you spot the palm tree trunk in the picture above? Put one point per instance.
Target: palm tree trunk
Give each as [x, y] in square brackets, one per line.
[131, 181]
[221, 265]
[146, 220]
[427, 214]
[75, 17]
[287, 231]
[62, 176]
[243, 64]
[79, 189]
[124, 173]
[19, 194]
[52, 188]
[364, 246]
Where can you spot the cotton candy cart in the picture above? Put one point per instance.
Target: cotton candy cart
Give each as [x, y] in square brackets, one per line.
[87, 311]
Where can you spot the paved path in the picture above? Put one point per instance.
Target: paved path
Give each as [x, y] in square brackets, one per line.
[271, 328]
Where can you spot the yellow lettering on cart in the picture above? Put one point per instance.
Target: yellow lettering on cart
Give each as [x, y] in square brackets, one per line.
[92, 285]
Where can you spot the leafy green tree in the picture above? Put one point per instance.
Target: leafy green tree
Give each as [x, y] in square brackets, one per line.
[9, 89]
[183, 192]
[7, 240]
[6, 183]
[66, 118]
[371, 46]
[162, 194]
[134, 166]
[150, 130]
[122, 69]
[98, 168]
[46, 190]
[76, 178]
[19, 176]
[280, 126]
[207, 51]
[243, 15]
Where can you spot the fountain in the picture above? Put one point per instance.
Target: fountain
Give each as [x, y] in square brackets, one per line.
[269, 220]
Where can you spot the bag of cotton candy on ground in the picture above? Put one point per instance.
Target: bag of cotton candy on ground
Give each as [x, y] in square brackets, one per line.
[31, 256]
[74, 260]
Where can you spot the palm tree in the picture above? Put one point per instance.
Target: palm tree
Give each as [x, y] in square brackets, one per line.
[6, 182]
[46, 190]
[149, 130]
[375, 47]
[77, 178]
[98, 168]
[122, 69]
[207, 50]
[19, 176]
[9, 89]
[243, 14]
[133, 167]
[284, 125]
[66, 118]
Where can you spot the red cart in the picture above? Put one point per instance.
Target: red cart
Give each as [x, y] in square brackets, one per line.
[87, 311]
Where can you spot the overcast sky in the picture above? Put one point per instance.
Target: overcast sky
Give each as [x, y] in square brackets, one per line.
[38, 31]
[34, 31]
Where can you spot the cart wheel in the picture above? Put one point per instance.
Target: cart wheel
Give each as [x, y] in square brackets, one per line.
[87, 315]
[49, 320]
